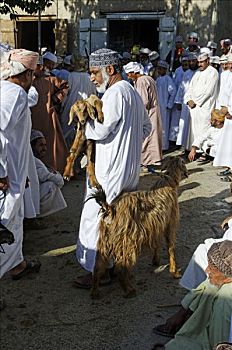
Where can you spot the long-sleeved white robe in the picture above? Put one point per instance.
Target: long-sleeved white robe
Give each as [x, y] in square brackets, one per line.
[209, 139]
[15, 129]
[224, 84]
[195, 271]
[51, 197]
[31, 194]
[175, 113]
[80, 87]
[224, 150]
[166, 94]
[117, 165]
[184, 122]
[203, 90]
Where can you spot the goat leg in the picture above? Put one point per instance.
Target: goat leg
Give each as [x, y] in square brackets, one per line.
[74, 153]
[90, 153]
[99, 270]
[125, 282]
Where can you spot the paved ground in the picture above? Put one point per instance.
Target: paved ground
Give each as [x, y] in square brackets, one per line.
[46, 312]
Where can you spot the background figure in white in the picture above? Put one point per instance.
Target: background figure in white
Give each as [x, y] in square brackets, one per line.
[201, 96]
[224, 151]
[80, 87]
[166, 94]
[31, 194]
[195, 271]
[176, 112]
[50, 181]
[118, 147]
[180, 101]
[17, 71]
[209, 140]
[225, 78]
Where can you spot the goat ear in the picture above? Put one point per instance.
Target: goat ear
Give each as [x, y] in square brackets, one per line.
[72, 114]
[90, 110]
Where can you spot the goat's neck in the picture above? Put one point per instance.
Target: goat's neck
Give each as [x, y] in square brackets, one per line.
[174, 176]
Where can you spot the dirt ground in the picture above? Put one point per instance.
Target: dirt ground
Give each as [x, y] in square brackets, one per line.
[45, 311]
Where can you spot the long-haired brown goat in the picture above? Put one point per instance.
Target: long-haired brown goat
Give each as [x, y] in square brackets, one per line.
[137, 219]
[80, 112]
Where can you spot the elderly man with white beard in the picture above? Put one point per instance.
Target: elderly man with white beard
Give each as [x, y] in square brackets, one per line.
[118, 149]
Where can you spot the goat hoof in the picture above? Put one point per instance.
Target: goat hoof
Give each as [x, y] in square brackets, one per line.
[176, 274]
[130, 294]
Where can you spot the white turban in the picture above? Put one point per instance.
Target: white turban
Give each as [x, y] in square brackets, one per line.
[132, 67]
[203, 56]
[214, 59]
[223, 59]
[17, 61]
[50, 56]
[229, 58]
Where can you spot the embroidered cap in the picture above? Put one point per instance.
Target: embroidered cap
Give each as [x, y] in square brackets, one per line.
[103, 58]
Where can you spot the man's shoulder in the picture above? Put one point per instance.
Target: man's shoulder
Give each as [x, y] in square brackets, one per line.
[9, 90]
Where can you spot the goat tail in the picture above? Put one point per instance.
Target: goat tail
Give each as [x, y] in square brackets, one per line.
[100, 197]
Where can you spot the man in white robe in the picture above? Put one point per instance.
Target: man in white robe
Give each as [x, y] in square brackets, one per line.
[118, 149]
[176, 112]
[16, 69]
[224, 150]
[166, 94]
[180, 101]
[50, 181]
[201, 96]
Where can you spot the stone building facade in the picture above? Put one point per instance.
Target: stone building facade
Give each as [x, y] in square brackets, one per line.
[85, 25]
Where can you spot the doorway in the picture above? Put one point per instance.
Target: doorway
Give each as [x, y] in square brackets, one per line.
[28, 35]
[123, 34]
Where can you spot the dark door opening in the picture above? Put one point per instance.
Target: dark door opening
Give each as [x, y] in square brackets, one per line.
[28, 35]
[123, 34]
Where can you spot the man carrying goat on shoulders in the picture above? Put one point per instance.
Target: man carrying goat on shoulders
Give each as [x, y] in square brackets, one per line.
[118, 149]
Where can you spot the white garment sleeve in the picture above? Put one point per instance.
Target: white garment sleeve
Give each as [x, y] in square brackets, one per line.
[198, 142]
[12, 110]
[113, 112]
[45, 175]
[33, 97]
[209, 88]
[3, 157]
[171, 92]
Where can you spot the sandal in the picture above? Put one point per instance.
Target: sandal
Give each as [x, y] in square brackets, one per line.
[225, 172]
[162, 330]
[226, 178]
[31, 267]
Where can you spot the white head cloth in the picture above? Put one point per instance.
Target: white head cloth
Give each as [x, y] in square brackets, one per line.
[214, 59]
[193, 35]
[203, 56]
[205, 50]
[50, 56]
[145, 50]
[153, 55]
[192, 56]
[16, 61]
[223, 59]
[212, 45]
[132, 67]
[103, 58]
[163, 64]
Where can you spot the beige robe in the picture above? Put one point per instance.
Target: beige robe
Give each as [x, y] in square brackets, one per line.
[45, 119]
[152, 146]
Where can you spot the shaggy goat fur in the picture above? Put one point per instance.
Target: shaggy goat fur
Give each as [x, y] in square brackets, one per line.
[81, 111]
[137, 219]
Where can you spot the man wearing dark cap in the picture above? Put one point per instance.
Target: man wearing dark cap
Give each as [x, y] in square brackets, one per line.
[118, 149]
[205, 316]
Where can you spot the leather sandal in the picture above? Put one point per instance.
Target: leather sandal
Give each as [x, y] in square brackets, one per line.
[31, 267]
[226, 178]
[224, 172]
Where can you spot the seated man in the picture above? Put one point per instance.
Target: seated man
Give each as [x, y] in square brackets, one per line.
[208, 141]
[204, 318]
[51, 198]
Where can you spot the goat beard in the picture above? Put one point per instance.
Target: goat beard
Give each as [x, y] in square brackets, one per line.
[102, 88]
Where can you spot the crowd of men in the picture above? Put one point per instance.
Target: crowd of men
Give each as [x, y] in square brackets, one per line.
[147, 112]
